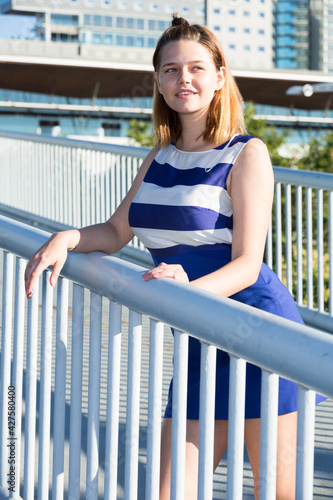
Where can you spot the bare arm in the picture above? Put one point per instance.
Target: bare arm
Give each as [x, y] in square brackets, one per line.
[250, 186]
[108, 237]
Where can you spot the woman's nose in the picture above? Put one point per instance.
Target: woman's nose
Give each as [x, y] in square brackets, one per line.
[184, 76]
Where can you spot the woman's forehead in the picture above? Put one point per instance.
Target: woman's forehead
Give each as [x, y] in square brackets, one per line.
[188, 49]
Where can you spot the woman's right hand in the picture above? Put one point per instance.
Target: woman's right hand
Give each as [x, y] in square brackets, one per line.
[52, 254]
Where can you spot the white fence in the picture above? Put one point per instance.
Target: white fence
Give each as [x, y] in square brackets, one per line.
[278, 346]
[78, 183]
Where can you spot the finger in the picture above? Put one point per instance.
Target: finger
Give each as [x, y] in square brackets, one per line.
[31, 276]
[56, 272]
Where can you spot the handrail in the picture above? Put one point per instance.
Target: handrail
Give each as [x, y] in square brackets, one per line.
[294, 351]
[139, 152]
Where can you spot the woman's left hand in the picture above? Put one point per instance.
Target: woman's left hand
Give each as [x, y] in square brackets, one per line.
[163, 270]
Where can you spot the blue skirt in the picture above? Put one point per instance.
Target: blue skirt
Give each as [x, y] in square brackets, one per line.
[268, 294]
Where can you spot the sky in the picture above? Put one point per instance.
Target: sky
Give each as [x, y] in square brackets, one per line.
[16, 26]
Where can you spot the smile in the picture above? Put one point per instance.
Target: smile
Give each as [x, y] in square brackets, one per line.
[185, 92]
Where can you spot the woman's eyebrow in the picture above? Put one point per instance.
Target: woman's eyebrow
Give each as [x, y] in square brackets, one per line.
[175, 63]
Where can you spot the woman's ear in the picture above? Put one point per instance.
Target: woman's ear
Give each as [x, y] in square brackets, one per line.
[157, 82]
[221, 77]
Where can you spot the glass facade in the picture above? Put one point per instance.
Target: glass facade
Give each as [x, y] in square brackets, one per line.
[291, 34]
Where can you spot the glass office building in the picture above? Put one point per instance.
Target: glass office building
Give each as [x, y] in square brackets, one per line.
[104, 22]
[291, 34]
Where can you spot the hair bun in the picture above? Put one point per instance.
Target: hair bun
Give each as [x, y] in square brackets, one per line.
[177, 21]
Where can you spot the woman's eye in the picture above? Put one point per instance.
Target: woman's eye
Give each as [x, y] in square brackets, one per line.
[170, 70]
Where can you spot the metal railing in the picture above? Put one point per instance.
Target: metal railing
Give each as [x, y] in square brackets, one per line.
[78, 183]
[294, 351]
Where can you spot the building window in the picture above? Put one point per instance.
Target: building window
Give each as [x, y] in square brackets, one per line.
[97, 20]
[122, 5]
[111, 129]
[151, 24]
[151, 42]
[138, 5]
[261, 49]
[64, 19]
[246, 13]
[216, 11]
[217, 28]
[261, 32]
[231, 12]
[232, 29]
[130, 23]
[49, 127]
[232, 46]
[261, 14]
[108, 21]
[153, 7]
[108, 40]
[246, 47]
[97, 38]
[247, 30]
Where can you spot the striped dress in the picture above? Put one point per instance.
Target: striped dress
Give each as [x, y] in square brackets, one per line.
[183, 214]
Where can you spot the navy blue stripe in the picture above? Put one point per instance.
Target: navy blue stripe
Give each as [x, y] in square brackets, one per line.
[239, 138]
[179, 249]
[165, 175]
[174, 218]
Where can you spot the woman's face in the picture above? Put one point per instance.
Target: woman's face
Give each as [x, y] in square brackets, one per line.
[187, 77]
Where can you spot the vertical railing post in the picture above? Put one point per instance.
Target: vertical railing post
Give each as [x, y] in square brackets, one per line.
[206, 421]
[60, 391]
[112, 414]
[45, 389]
[299, 245]
[7, 315]
[305, 443]
[154, 409]
[236, 428]
[76, 393]
[94, 396]
[17, 375]
[268, 435]
[179, 411]
[309, 248]
[320, 251]
[133, 406]
[278, 231]
[30, 395]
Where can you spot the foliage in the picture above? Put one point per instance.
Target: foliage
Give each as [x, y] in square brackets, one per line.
[319, 155]
[272, 138]
[140, 132]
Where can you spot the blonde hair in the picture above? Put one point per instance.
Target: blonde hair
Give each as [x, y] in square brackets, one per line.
[225, 117]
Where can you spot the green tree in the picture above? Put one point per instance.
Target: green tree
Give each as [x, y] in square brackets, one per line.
[140, 132]
[272, 138]
[319, 155]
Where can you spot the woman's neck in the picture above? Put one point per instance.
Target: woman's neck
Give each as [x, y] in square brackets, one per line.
[191, 138]
[192, 142]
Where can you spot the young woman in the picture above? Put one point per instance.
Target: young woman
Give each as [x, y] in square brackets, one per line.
[201, 203]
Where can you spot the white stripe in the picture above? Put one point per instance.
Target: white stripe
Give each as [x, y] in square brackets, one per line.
[210, 197]
[185, 160]
[161, 238]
